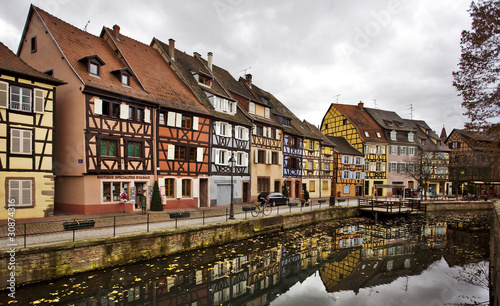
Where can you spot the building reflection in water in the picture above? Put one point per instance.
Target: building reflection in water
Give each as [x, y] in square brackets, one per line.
[255, 272]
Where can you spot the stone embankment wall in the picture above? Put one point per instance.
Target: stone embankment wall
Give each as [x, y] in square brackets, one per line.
[34, 264]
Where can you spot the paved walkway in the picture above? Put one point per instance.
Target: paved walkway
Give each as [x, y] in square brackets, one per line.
[49, 230]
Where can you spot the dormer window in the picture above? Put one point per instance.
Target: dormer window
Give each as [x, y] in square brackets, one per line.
[93, 63]
[123, 75]
[366, 134]
[411, 137]
[203, 79]
[393, 135]
[378, 135]
[224, 105]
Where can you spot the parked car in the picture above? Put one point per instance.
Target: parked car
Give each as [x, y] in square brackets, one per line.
[273, 198]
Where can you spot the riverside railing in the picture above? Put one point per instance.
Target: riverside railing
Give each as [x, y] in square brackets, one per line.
[48, 232]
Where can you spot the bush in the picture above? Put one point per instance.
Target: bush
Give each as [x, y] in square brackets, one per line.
[156, 204]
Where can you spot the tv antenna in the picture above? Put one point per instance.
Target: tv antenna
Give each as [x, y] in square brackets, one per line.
[375, 102]
[85, 28]
[245, 70]
[337, 97]
[411, 111]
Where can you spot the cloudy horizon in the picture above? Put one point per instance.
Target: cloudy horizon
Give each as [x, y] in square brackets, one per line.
[390, 54]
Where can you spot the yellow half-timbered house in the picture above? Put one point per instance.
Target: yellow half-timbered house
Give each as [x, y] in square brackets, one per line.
[26, 135]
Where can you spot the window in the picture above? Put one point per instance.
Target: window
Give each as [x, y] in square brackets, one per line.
[111, 191]
[359, 175]
[274, 158]
[21, 191]
[401, 167]
[169, 187]
[263, 184]
[344, 122]
[125, 78]
[402, 150]
[261, 156]
[222, 157]
[242, 159]
[393, 167]
[393, 135]
[251, 108]
[411, 150]
[441, 170]
[115, 110]
[442, 155]
[192, 154]
[346, 174]
[105, 108]
[366, 134]
[393, 150]
[33, 44]
[241, 133]
[134, 149]
[312, 186]
[20, 98]
[180, 153]
[411, 137]
[410, 167]
[378, 135]
[94, 69]
[346, 189]
[346, 159]
[161, 120]
[108, 147]
[358, 160]
[325, 185]
[187, 122]
[311, 145]
[186, 188]
[293, 163]
[93, 64]
[205, 80]
[21, 141]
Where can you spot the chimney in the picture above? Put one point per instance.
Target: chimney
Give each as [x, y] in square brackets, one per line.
[248, 78]
[171, 48]
[116, 31]
[210, 59]
[360, 105]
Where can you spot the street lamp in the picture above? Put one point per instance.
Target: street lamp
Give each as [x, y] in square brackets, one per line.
[232, 162]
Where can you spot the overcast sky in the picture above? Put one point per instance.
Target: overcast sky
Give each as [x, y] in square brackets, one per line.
[394, 55]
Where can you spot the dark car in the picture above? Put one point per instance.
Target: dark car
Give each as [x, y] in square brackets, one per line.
[274, 198]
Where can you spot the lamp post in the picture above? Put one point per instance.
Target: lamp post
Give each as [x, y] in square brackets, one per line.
[232, 161]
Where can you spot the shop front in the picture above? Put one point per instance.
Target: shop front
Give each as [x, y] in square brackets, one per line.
[126, 192]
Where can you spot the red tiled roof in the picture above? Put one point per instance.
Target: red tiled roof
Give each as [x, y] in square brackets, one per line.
[9, 62]
[155, 74]
[362, 121]
[77, 44]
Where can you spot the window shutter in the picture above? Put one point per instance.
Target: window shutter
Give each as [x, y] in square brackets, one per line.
[315, 165]
[256, 156]
[362, 175]
[171, 152]
[26, 142]
[195, 123]
[199, 155]
[229, 130]
[245, 159]
[171, 119]
[4, 95]
[267, 112]
[179, 188]
[268, 157]
[254, 130]
[316, 145]
[178, 120]
[196, 188]
[39, 101]
[307, 144]
[98, 106]
[217, 127]
[217, 154]
[277, 135]
[251, 108]
[362, 161]
[382, 167]
[246, 134]
[280, 158]
[123, 111]
[306, 164]
[147, 116]
[161, 182]
[331, 167]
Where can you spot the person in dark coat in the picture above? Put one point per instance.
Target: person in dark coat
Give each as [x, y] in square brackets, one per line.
[306, 197]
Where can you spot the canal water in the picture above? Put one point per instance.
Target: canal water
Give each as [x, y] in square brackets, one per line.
[433, 260]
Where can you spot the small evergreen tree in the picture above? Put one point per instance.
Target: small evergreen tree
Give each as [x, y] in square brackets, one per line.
[156, 204]
[285, 191]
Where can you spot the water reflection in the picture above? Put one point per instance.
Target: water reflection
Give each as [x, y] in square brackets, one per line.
[339, 263]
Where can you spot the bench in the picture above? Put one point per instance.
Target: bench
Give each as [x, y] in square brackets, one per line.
[78, 224]
[176, 215]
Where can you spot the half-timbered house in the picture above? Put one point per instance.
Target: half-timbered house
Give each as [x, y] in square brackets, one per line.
[349, 167]
[402, 150]
[320, 181]
[474, 162]
[353, 123]
[26, 137]
[229, 128]
[266, 155]
[104, 147]
[431, 167]
[182, 124]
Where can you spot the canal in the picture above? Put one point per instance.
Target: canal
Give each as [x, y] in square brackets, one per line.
[439, 259]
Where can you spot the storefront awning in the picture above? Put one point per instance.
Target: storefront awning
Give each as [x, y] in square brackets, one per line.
[389, 186]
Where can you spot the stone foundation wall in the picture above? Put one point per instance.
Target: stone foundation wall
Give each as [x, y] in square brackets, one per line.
[34, 264]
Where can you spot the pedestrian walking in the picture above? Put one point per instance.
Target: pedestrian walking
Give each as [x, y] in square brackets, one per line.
[306, 197]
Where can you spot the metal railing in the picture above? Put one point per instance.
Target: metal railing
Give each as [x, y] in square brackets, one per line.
[47, 232]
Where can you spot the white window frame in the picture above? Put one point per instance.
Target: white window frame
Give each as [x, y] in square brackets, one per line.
[25, 140]
[22, 93]
[24, 193]
[394, 135]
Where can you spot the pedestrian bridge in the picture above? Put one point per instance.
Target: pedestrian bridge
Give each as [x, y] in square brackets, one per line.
[391, 207]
